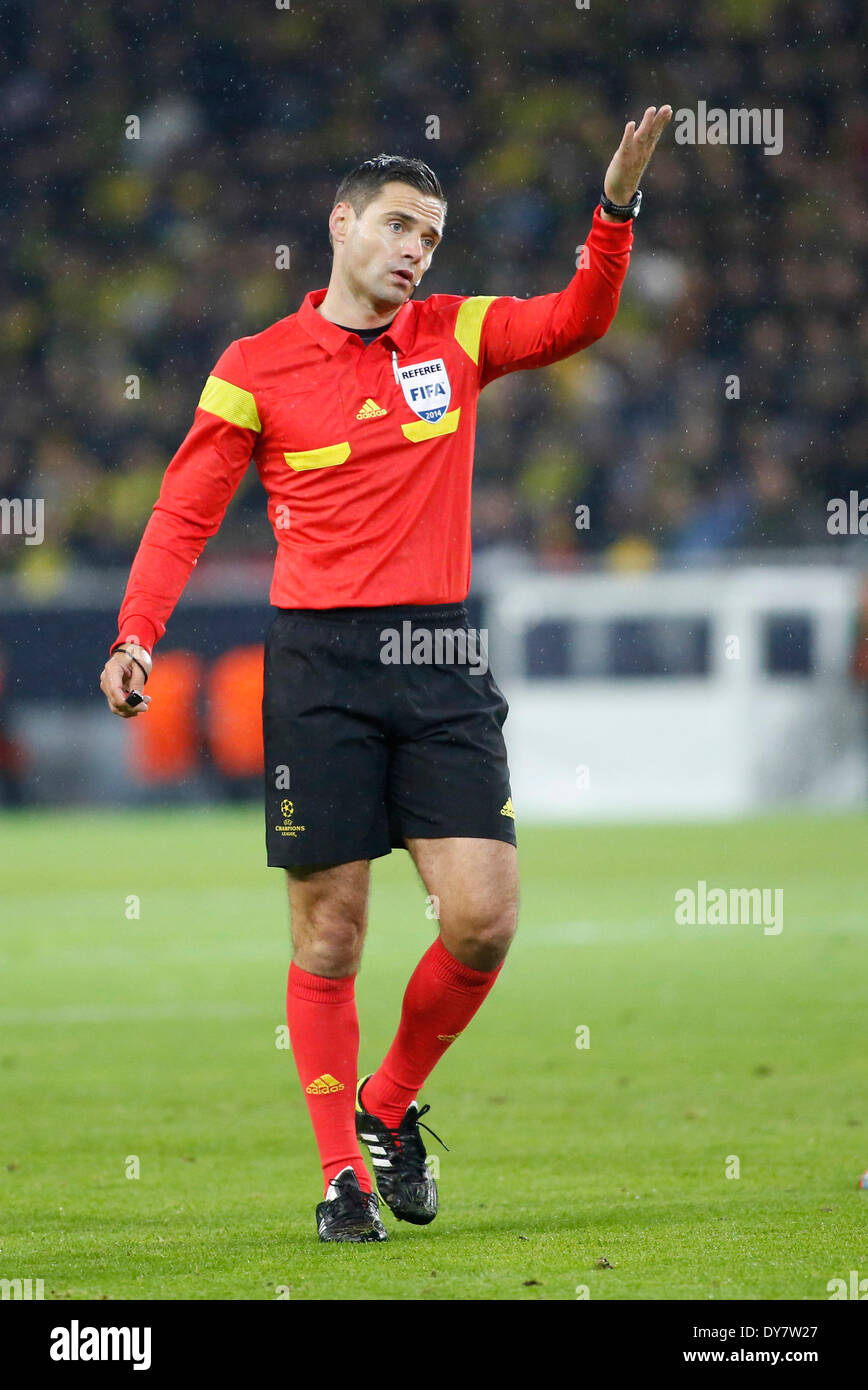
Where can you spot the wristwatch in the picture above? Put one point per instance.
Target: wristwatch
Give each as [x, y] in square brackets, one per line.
[624, 212]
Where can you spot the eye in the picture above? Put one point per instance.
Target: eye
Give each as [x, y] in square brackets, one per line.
[397, 224]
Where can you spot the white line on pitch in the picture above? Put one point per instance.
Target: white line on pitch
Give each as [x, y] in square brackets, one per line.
[123, 1013]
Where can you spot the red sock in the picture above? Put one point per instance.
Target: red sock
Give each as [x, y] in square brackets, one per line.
[324, 1036]
[441, 999]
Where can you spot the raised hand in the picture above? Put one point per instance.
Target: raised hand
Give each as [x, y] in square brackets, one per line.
[632, 155]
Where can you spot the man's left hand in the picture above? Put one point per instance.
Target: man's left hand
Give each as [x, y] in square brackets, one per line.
[632, 155]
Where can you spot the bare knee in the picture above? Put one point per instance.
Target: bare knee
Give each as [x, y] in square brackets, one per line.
[332, 947]
[481, 933]
[475, 883]
[328, 910]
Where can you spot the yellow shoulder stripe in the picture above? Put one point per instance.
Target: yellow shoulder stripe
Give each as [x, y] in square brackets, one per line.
[468, 325]
[233, 405]
[418, 430]
[319, 458]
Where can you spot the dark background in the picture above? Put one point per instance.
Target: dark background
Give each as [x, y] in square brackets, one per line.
[147, 257]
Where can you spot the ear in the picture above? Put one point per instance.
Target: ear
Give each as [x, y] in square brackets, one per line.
[340, 220]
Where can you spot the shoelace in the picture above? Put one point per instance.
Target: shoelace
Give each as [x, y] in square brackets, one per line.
[347, 1203]
[419, 1125]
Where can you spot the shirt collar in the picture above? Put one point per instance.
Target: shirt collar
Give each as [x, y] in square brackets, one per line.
[330, 336]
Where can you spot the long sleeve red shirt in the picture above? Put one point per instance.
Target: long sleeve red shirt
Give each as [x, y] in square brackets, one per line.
[365, 452]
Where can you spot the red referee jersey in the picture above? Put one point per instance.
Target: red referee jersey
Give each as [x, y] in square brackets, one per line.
[366, 453]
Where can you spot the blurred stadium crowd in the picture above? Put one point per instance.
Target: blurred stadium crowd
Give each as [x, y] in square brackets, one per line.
[145, 257]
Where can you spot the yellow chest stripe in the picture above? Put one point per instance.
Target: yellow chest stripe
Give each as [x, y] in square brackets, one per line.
[418, 430]
[326, 457]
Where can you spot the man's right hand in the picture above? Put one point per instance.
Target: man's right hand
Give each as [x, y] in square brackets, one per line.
[120, 675]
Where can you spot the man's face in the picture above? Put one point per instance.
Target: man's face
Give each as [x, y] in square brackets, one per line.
[383, 253]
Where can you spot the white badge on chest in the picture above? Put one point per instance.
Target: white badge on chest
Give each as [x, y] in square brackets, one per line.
[426, 388]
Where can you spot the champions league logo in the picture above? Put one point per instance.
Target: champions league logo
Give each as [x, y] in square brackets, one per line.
[426, 388]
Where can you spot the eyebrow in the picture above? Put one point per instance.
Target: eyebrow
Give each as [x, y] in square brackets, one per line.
[411, 217]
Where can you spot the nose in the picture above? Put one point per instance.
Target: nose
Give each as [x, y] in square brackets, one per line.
[413, 248]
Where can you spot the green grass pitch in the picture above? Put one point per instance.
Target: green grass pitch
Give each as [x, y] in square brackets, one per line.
[601, 1168]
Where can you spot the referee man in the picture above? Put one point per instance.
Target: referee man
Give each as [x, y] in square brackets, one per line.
[379, 711]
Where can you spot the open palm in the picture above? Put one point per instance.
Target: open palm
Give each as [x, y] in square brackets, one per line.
[632, 155]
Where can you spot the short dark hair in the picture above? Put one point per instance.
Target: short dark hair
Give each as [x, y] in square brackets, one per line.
[362, 184]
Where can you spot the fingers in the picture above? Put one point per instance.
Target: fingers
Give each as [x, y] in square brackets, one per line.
[660, 122]
[647, 121]
[635, 150]
[650, 128]
[116, 681]
[652, 125]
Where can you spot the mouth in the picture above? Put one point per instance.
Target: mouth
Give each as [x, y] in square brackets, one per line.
[403, 275]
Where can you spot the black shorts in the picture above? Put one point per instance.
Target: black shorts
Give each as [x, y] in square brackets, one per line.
[366, 746]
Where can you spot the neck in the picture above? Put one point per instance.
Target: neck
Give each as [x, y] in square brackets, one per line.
[340, 306]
